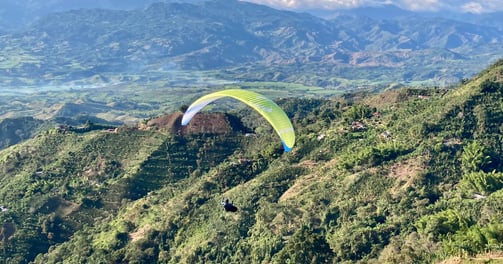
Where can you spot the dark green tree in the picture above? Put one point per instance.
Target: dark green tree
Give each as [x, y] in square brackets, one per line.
[305, 246]
[474, 157]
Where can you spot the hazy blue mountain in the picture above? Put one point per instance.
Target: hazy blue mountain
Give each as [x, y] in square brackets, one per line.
[387, 11]
[215, 35]
[15, 14]
[494, 19]
[392, 12]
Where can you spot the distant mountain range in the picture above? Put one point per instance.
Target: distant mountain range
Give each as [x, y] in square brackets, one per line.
[245, 41]
[16, 14]
[392, 12]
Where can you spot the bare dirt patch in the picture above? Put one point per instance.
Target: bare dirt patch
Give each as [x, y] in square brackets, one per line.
[297, 187]
[59, 205]
[308, 164]
[405, 172]
[140, 233]
[66, 207]
[494, 257]
[306, 180]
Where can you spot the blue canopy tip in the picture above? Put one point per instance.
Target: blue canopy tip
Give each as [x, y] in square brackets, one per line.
[287, 148]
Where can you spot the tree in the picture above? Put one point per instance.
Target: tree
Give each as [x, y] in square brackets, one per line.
[474, 157]
[443, 223]
[482, 182]
[358, 112]
[305, 246]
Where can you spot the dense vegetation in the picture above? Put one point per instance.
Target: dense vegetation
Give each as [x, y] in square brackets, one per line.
[403, 176]
[15, 130]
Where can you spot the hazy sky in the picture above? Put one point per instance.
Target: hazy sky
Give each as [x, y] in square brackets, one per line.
[473, 6]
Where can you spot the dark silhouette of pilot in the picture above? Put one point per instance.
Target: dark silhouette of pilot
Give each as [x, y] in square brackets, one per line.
[228, 206]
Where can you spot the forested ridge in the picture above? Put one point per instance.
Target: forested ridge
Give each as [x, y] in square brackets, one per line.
[402, 176]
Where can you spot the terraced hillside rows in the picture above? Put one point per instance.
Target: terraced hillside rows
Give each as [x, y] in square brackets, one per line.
[62, 180]
[403, 176]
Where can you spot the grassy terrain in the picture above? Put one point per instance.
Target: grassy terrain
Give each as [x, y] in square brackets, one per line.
[403, 176]
[130, 103]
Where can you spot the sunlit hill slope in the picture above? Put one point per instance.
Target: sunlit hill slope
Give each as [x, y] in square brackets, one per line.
[403, 176]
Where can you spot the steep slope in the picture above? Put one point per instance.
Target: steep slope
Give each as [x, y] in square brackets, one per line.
[404, 176]
[64, 181]
[15, 130]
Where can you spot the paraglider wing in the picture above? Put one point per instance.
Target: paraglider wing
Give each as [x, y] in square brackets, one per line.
[266, 107]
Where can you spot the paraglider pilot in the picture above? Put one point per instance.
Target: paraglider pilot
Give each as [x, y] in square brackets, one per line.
[228, 206]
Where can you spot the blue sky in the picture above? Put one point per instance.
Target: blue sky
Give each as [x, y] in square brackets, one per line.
[462, 6]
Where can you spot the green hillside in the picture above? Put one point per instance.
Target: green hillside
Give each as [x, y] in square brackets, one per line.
[403, 176]
[15, 130]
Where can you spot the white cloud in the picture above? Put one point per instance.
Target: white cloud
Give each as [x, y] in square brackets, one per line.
[421, 5]
[480, 6]
[323, 4]
[472, 7]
